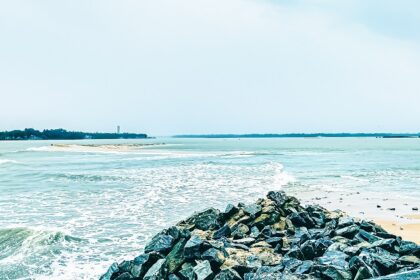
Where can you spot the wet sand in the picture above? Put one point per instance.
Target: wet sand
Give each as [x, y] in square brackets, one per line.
[409, 232]
[394, 213]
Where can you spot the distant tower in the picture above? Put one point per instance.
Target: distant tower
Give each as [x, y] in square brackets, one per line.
[118, 129]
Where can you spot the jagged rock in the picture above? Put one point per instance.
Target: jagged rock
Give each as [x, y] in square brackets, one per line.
[321, 246]
[273, 241]
[214, 256]
[308, 250]
[366, 236]
[124, 276]
[253, 210]
[240, 231]
[406, 247]
[363, 273]
[387, 244]
[160, 243]
[176, 257]
[407, 275]
[111, 270]
[305, 267]
[203, 270]
[230, 210]
[348, 232]
[254, 232]
[142, 263]
[301, 219]
[207, 220]
[334, 273]
[156, 272]
[290, 264]
[224, 231]
[187, 272]
[267, 256]
[173, 277]
[228, 274]
[193, 246]
[345, 222]
[279, 198]
[335, 258]
[245, 241]
[385, 263]
[409, 260]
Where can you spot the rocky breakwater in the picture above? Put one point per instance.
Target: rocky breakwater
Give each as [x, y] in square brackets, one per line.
[275, 238]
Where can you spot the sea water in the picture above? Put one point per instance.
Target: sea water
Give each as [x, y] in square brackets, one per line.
[68, 209]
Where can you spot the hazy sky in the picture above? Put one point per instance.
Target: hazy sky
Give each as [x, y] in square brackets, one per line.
[216, 66]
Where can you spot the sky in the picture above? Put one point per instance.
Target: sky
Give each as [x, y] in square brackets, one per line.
[167, 67]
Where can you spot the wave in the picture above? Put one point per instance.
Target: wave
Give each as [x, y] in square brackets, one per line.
[94, 148]
[17, 240]
[7, 161]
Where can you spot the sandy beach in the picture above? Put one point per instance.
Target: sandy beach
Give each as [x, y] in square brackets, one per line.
[396, 214]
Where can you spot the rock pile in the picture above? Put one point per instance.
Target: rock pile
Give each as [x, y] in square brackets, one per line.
[275, 238]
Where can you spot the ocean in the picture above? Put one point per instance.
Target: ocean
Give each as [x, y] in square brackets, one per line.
[68, 209]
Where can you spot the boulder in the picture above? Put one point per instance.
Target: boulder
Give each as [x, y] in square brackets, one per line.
[160, 243]
[156, 272]
[203, 270]
[207, 220]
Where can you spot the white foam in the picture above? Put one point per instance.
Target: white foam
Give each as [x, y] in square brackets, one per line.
[7, 161]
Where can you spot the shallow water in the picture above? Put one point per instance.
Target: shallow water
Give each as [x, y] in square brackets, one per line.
[68, 211]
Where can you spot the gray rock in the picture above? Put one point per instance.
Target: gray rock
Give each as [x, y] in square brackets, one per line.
[156, 272]
[348, 232]
[187, 272]
[124, 276]
[230, 210]
[334, 273]
[363, 235]
[224, 231]
[228, 274]
[345, 222]
[301, 219]
[214, 256]
[335, 258]
[203, 270]
[363, 273]
[279, 198]
[387, 244]
[290, 264]
[240, 231]
[254, 232]
[305, 267]
[176, 257]
[207, 220]
[193, 246]
[111, 270]
[308, 250]
[253, 209]
[142, 263]
[160, 243]
[409, 260]
[409, 275]
[173, 277]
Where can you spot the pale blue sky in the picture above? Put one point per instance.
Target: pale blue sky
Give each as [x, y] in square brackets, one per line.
[211, 66]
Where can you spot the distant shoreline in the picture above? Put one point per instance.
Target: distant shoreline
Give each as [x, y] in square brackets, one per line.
[303, 135]
[62, 134]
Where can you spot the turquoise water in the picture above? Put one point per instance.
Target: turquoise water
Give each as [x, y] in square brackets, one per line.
[69, 211]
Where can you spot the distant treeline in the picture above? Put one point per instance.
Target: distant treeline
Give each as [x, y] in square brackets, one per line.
[302, 135]
[62, 134]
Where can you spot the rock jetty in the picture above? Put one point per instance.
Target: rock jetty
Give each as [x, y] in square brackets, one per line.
[274, 238]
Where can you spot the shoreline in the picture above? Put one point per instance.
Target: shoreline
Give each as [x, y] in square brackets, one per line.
[395, 214]
[277, 237]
